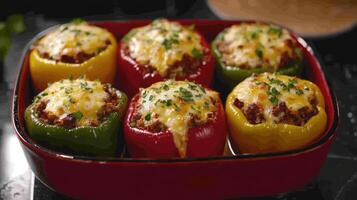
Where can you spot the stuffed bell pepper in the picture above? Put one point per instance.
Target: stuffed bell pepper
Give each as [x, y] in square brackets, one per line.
[175, 119]
[162, 50]
[73, 50]
[272, 113]
[77, 116]
[247, 48]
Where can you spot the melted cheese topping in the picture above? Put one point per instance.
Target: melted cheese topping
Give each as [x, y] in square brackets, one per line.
[173, 103]
[162, 43]
[75, 96]
[254, 45]
[70, 39]
[267, 90]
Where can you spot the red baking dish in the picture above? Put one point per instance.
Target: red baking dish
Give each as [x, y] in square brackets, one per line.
[241, 175]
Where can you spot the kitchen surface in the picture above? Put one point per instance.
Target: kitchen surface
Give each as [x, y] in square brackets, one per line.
[337, 179]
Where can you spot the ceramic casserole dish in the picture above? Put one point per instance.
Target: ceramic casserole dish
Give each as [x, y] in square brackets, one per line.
[223, 177]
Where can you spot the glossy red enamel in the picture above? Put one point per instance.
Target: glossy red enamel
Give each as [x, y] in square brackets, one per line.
[220, 177]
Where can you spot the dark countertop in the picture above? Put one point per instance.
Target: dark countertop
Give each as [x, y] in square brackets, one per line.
[336, 180]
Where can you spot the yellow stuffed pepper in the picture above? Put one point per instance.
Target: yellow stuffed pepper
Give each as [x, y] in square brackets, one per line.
[272, 113]
[73, 50]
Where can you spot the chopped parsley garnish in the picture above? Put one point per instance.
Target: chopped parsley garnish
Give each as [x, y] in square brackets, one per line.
[276, 30]
[278, 82]
[273, 93]
[274, 81]
[76, 31]
[145, 93]
[151, 97]
[166, 87]
[259, 52]
[168, 102]
[177, 108]
[291, 84]
[202, 89]
[148, 117]
[185, 94]
[38, 97]
[196, 53]
[299, 92]
[196, 108]
[170, 41]
[192, 86]
[255, 34]
[285, 87]
[167, 44]
[206, 104]
[266, 84]
[85, 86]
[293, 81]
[78, 115]
[157, 90]
[274, 100]
[306, 88]
[77, 21]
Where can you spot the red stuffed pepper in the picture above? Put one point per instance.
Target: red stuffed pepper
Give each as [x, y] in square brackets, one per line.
[163, 50]
[175, 119]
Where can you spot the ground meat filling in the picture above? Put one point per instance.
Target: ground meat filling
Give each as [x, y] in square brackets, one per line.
[111, 103]
[254, 113]
[77, 58]
[287, 59]
[69, 120]
[299, 117]
[138, 121]
[180, 69]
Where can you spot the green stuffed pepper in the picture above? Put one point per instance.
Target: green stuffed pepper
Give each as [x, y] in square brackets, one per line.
[78, 116]
[247, 48]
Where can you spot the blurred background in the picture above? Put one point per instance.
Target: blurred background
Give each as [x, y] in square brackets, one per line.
[330, 27]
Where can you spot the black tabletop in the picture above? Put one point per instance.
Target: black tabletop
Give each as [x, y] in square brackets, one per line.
[337, 178]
